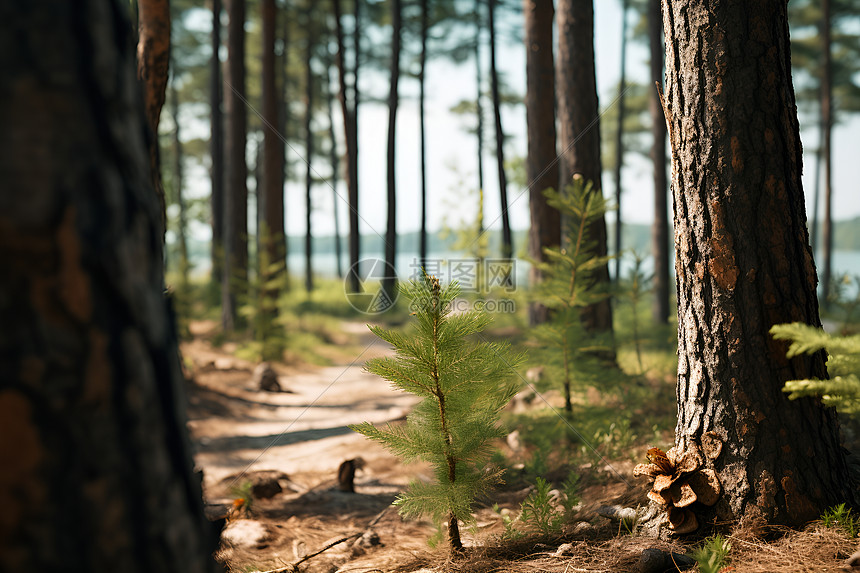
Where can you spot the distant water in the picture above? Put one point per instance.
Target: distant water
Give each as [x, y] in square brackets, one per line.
[325, 264]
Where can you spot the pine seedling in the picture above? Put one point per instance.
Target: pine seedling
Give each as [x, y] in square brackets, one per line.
[843, 364]
[463, 385]
[570, 285]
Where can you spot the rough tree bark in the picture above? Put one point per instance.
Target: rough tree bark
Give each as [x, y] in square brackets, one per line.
[153, 61]
[660, 229]
[580, 126]
[743, 262]
[216, 147]
[507, 239]
[272, 230]
[235, 264]
[97, 469]
[542, 172]
[389, 283]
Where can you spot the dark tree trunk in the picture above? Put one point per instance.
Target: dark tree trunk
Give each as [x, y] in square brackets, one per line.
[271, 194]
[744, 264]
[619, 139]
[235, 270]
[97, 470]
[389, 283]
[216, 147]
[660, 229]
[335, 166]
[580, 126]
[422, 62]
[507, 240]
[309, 152]
[153, 61]
[826, 124]
[178, 176]
[542, 172]
[349, 110]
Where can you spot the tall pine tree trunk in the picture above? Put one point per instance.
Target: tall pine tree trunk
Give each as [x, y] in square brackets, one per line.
[422, 64]
[309, 152]
[660, 229]
[507, 240]
[827, 125]
[580, 126]
[335, 166]
[235, 266]
[97, 468]
[349, 111]
[542, 173]
[389, 283]
[271, 196]
[178, 181]
[153, 61]
[619, 138]
[216, 147]
[744, 263]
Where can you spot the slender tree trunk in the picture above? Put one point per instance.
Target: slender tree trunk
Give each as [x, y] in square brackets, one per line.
[744, 264]
[333, 159]
[545, 230]
[580, 127]
[619, 138]
[153, 61]
[422, 63]
[182, 231]
[350, 135]
[271, 194]
[507, 240]
[235, 270]
[479, 111]
[216, 147]
[826, 124]
[816, 195]
[97, 468]
[660, 228]
[389, 283]
[309, 152]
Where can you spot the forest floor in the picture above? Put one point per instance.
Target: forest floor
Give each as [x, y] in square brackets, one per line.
[297, 439]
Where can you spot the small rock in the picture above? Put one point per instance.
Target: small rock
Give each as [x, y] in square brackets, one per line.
[853, 563]
[244, 533]
[514, 441]
[617, 513]
[563, 549]
[655, 560]
[267, 483]
[534, 374]
[581, 527]
[265, 378]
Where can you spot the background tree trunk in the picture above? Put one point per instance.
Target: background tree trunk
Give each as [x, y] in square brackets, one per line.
[542, 171]
[389, 283]
[743, 262]
[335, 166]
[153, 61]
[272, 192]
[827, 155]
[309, 150]
[97, 470]
[580, 126]
[235, 275]
[660, 229]
[619, 139]
[216, 146]
[507, 239]
[422, 64]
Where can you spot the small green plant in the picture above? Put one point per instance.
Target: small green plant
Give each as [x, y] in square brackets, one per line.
[713, 555]
[571, 284]
[839, 517]
[544, 512]
[843, 364]
[463, 386]
[243, 497]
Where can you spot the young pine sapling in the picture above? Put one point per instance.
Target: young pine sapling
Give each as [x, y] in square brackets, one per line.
[570, 285]
[463, 384]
